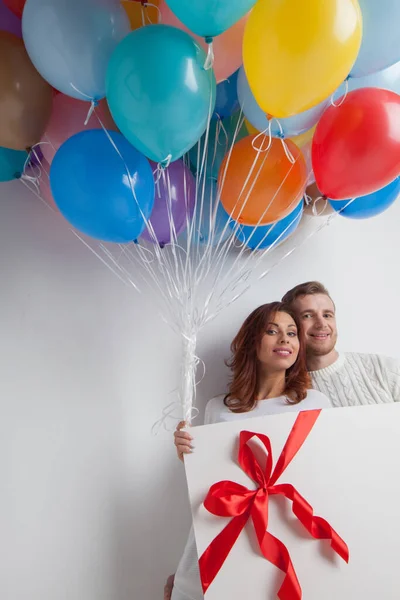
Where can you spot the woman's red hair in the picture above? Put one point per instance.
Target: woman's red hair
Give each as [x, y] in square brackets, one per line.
[242, 395]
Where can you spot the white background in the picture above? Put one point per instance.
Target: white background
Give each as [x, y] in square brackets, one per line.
[92, 506]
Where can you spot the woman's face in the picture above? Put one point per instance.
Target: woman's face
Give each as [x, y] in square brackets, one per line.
[279, 347]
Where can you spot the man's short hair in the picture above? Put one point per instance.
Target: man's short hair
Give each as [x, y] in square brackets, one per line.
[310, 288]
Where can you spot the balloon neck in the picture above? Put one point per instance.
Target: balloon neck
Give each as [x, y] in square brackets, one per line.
[209, 63]
[162, 245]
[208, 39]
[280, 135]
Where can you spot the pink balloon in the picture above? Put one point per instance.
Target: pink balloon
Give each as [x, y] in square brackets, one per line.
[68, 117]
[227, 46]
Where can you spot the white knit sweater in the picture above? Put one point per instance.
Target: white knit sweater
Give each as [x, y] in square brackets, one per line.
[356, 379]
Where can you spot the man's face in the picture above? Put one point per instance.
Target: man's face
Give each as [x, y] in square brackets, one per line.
[317, 315]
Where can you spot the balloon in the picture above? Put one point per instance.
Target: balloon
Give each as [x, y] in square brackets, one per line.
[8, 21]
[221, 136]
[68, 117]
[380, 42]
[210, 223]
[288, 127]
[209, 18]
[370, 205]
[102, 194]
[140, 14]
[17, 6]
[388, 79]
[35, 156]
[70, 42]
[25, 98]
[12, 163]
[261, 187]
[226, 102]
[175, 198]
[227, 46]
[160, 99]
[297, 53]
[356, 146]
[259, 238]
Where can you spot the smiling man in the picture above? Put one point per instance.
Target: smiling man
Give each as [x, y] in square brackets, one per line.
[348, 379]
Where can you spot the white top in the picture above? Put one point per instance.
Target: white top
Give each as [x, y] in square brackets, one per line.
[187, 584]
[356, 379]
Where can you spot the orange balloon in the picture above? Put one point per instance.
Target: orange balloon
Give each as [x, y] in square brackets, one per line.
[141, 14]
[227, 46]
[259, 188]
[26, 99]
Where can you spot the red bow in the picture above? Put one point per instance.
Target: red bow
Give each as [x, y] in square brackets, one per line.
[229, 499]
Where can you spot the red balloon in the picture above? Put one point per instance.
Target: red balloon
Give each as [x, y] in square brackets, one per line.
[17, 6]
[356, 146]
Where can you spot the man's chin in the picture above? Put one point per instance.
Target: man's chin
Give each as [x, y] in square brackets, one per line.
[319, 350]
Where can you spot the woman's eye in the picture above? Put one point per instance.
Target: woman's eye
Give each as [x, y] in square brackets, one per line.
[292, 334]
[271, 332]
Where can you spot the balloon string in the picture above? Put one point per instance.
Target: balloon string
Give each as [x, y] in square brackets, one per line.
[210, 54]
[147, 5]
[262, 135]
[93, 105]
[161, 166]
[314, 206]
[346, 91]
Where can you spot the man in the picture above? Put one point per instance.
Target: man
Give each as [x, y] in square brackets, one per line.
[349, 379]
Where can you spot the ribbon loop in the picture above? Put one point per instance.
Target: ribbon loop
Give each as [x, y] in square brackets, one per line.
[227, 498]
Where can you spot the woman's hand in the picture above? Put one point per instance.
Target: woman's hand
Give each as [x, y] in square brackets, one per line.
[183, 441]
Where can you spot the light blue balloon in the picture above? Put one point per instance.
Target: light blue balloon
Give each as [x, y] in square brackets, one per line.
[106, 193]
[70, 42]
[264, 236]
[209, 226]
[291, 126]
[209, 18]
[12, 163]
[368, 206]
[158, 92]
[387, 79]
[380, 45]
[221, 136]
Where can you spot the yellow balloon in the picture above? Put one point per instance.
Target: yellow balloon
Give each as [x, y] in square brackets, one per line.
[296, 54]
[141, 14]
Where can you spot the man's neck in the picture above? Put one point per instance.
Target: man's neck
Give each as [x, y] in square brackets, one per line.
[315, 363]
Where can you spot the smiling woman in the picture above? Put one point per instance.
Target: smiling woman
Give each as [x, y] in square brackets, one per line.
[269, 375]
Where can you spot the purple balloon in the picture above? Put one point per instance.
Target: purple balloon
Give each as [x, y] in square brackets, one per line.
[35, 157]
[175, 194]
[9, 22]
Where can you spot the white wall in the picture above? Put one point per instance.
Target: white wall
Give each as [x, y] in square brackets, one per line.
[92, 506]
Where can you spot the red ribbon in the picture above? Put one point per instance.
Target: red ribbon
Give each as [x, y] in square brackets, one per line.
[229, 499]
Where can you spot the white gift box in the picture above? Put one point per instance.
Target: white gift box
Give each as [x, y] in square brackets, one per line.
[348, 469]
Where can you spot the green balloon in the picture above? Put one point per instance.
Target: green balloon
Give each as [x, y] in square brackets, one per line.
[12, 163]
[158, 91]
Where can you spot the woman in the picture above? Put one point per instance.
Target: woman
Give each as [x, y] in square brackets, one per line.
[269, 375]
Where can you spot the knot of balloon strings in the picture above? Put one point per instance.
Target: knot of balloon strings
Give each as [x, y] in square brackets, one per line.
[161, 166]
[93, 106]
[262, 135]
[210, 54]
[281, 136]
[314, 207]
[343, 98]
[145, 13]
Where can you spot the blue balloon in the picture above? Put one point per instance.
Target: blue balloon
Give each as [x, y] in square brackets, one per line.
[380, 46]
[70, 42]
[209, 227]
[388, 79]
[226, 102]
[221, 136]
[106, 193]
[209, 18]
[12, 163]
[370, 205]
[158, 92]
[264, 236]
[291, 126]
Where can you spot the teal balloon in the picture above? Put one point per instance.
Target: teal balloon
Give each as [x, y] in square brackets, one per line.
[70, 42]
[12, 163]
[209, 18]
[221, 136]
[103, 187]
[380, 46]
[210, 220]
[368, 206]
[264, 236]
[288, 127]
[159, 94]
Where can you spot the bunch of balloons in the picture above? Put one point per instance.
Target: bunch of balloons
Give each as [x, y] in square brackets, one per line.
[259, 97]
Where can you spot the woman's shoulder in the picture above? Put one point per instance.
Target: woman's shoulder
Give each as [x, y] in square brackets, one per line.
[214, 408]
[316, 399]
